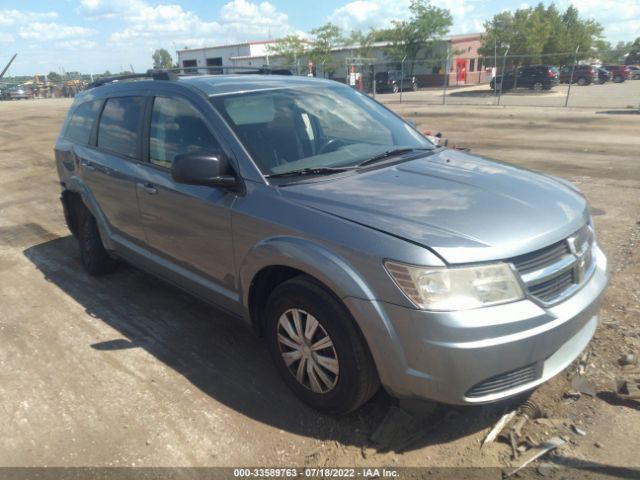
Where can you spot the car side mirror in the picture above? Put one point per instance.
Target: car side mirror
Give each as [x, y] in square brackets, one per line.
[204, 168]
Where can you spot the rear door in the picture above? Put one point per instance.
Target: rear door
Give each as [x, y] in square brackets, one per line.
[189, 226]
[109, 169]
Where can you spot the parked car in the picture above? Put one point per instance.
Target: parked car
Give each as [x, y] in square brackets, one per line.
[16, 93]
[536, 77]
[619, 73]
[635, 71]
[604, 76]
[391, 82]
[363, 253]
[582, 74]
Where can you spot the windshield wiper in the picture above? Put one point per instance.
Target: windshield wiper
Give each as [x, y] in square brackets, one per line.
[309, 171]
[387, 154]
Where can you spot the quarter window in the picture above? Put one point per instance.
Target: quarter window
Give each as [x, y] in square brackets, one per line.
[118, 130]
[81, 122]
[177, 128]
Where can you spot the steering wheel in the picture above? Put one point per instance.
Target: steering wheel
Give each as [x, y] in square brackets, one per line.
[327, 144]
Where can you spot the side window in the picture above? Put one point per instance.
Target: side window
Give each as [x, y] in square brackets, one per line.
[81, 122]
[118, 128]
[176, 128]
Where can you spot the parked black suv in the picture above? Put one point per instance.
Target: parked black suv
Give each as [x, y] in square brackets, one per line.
[391, 82]
[536, 77]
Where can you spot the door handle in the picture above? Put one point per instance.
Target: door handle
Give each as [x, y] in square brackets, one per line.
[149, 188]
[88, 165]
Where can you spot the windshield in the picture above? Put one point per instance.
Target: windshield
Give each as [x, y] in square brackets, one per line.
[314, 127]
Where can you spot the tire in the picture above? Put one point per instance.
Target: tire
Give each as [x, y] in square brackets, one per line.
[350, 376]
[537, 86]
[95, 259]
[582, 81]
[414, 86]
[618, 79]
[395, 88]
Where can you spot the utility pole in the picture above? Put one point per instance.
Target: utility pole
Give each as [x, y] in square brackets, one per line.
[495, 65]
[504, 62]
[402, 77]
[573, 68]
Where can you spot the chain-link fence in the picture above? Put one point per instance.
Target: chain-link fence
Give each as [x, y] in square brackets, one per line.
[553, 80]
[569, 79]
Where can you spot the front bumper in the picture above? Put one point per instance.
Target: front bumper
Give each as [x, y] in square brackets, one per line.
[482, 355]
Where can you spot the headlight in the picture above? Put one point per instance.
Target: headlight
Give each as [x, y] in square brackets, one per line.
[441, 288]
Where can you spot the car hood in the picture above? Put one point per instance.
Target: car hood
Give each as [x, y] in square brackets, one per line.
[463, 207]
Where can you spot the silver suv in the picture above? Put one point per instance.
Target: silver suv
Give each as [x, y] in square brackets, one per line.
[363, 253]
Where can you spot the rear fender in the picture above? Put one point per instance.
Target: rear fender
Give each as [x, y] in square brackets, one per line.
[75, 184]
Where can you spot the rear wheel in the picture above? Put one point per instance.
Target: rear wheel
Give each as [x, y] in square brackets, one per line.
[414, 86]
[618, 79]
[395, 88]
[95, 259]
[582, 81]
[537, 86]
[317, 348]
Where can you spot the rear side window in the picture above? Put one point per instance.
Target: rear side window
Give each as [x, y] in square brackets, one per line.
[118, 129]
[81, 122]
[177, 128]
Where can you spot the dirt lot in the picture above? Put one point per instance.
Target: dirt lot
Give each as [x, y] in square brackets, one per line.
[124, 370]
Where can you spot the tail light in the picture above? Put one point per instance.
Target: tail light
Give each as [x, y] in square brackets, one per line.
[550, 74]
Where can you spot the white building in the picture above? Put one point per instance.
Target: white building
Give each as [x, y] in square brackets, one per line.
[464, 60]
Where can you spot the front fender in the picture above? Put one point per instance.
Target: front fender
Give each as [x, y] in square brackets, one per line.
[307, 256]
[337, 274]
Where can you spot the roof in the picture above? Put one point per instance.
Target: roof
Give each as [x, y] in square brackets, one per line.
[212, 84]
[222, 84]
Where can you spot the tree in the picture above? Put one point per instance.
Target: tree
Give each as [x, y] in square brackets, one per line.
[633, 56]
[290, 48]
[426, 26]
[541, 34]
[363, 42]
[54, 77]
[162, 59]
[325, 39]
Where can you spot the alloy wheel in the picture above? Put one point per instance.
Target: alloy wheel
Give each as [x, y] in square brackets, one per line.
[308, 351]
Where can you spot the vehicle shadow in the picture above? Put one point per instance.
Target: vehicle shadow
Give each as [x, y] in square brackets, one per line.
[228, 362]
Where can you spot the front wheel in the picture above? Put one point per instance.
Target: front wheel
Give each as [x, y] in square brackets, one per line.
[582, 81]
[618, 79]
[414, 86]
[395, 88]
[317, 348]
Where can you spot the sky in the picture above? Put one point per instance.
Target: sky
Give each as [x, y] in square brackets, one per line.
[92, 36]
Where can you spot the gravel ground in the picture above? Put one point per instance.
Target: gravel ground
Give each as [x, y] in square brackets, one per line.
[126, 371]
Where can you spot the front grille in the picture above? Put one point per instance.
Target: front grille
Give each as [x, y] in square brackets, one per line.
[553, 288]
[554, 272]
[505, 381]
[533, 261]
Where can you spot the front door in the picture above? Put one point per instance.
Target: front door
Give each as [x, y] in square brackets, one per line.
[461, 68]
[189, 226]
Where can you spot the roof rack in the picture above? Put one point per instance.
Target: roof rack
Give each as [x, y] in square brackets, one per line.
[220, 69]
[174, 73]
[152, 74]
